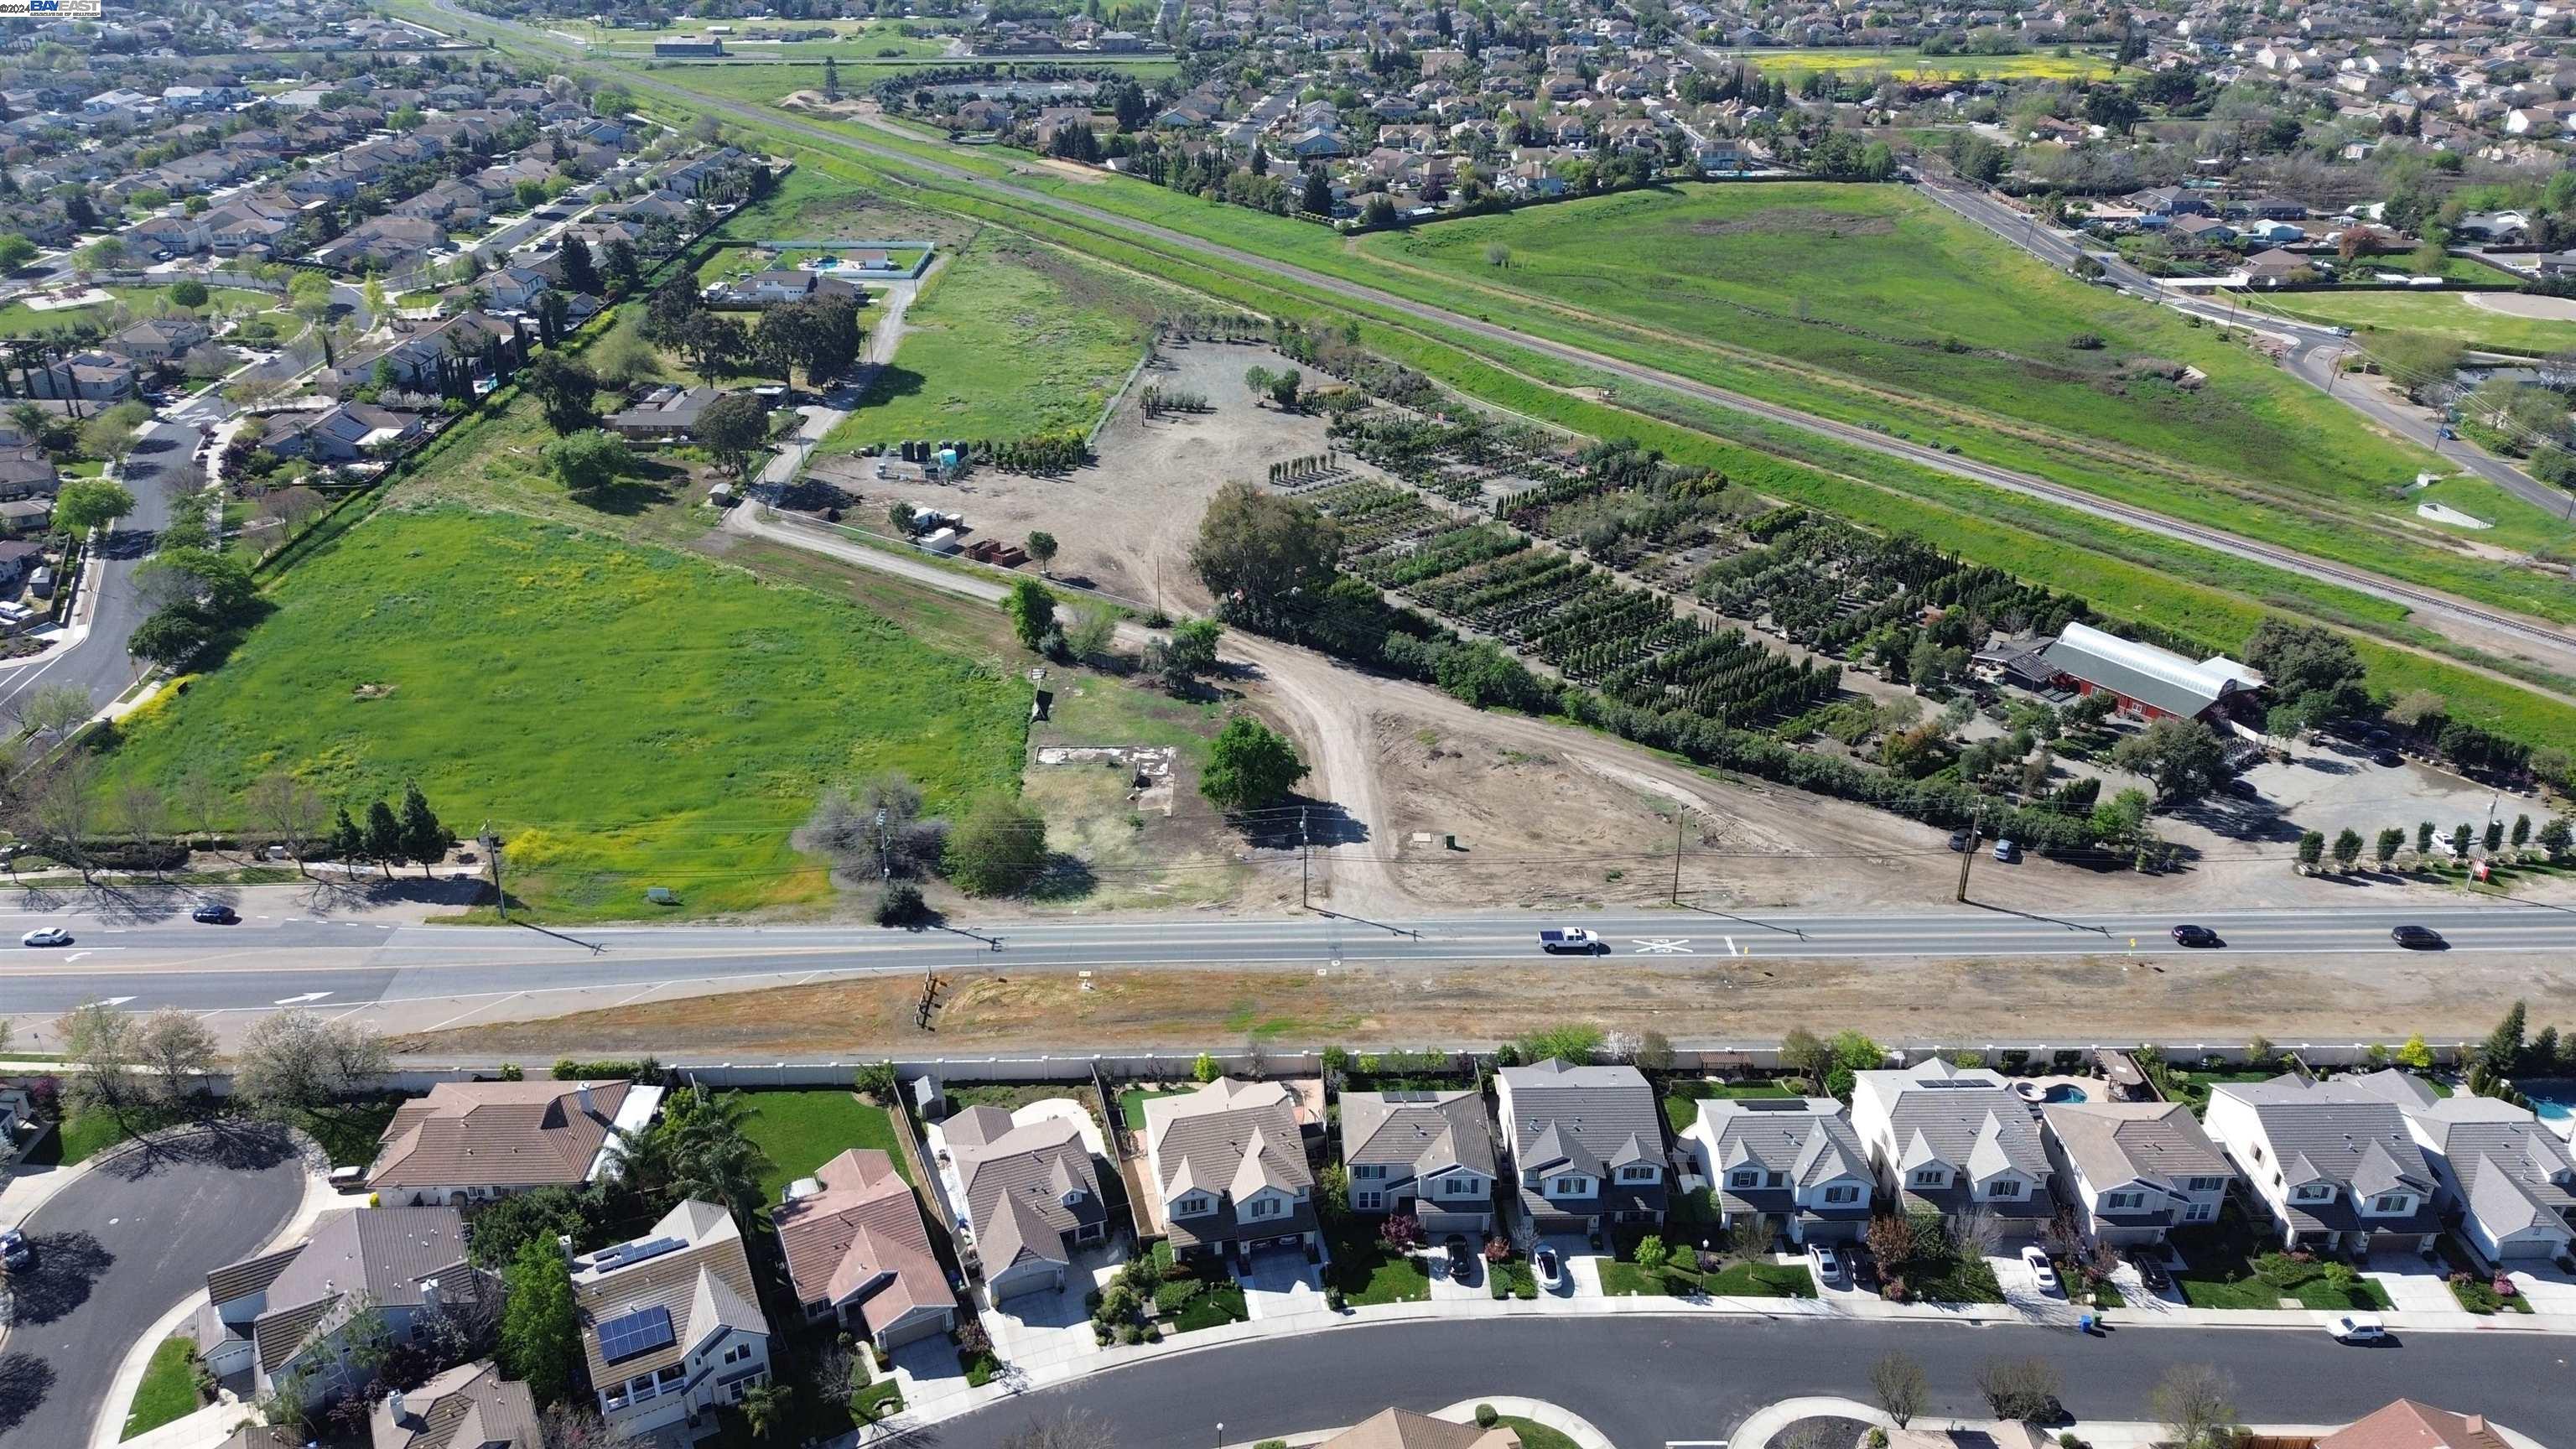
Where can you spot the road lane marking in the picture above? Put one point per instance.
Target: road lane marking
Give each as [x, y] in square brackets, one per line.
[1662, 946]
[299, 1000]
[114, 1000]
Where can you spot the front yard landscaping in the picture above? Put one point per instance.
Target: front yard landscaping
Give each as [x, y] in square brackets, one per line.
[1366, 1270]
[1535, 1435]
[169, 1387]
[1733, 1276]
[2229, 1266]
[1195, 1295]
[2476, 1288]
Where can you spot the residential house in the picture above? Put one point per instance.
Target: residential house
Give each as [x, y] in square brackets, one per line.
[170, 235]
[1586, 1145]
[1430, 1154]
[2273, 266]
[1032, 1195]
[1954, 1140]
[280, 1319]
[2133, 1171]
[388, 242]
[475, 1141]
[2407, 1424]
[665, 414]
[348, 433]
[2333, 1163]
[157, 340]
[2208, 231]
[2500, 1175]
[776, 285]
[1404, 1429]
[857, 1251]
[1791, 1161]
[1228, 1164]
[671, 1323]
[469, 1406]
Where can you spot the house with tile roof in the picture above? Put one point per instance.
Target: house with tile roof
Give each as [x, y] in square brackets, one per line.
[1228, 1163]
[2332, 1162]
[2133, 1171]
[1032, 1196]
[1404, 1429]
[1954, 1140]
[282, 1318]
[2407, 1424]
[671, 1323]
[1430, 1154]
[475, 1141]
[857, 1251]
[1793, 1161]
[468, 1407]
[2508, 1181]
[1586, 1145]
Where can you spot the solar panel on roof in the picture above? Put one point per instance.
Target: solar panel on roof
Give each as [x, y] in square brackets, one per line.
[626, 1255]
[629, 1334]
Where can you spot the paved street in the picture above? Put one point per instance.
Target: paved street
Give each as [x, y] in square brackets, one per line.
[117, 1250]
[162, 459]
[1644, 1381]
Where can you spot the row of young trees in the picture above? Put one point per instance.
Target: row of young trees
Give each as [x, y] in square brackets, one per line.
[2553, 837]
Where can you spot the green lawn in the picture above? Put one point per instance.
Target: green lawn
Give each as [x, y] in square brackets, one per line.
[1533, 1434]
[86, 1134]
[1735, 1280]
[624, 716]
[20, 320]
[800, 1131]
[1131, 1103]
[2193, 1086]
[2223, 1270]
[352, 1132]
[877, 1400]
[1681, 1105]
[2442, 314]
[1367, 1271]
[1207, 1298]
[169, 1387]
[1006, 341]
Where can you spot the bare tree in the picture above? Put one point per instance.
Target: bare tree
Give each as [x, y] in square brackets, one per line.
[2197, 1405]
[2020, 1388]
[1072, 1429]
[200, 799]
[288, 809]
[174, 1048]
[1901, 1386]
[53, 711]
[98, 1040]
[54, 806]
[568, 1426]
[296, 1060]
[874, 833]
[140, 812]
[1976, 1231]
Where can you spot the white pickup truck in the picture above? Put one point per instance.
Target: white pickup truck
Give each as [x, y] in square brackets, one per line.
[1577, 940]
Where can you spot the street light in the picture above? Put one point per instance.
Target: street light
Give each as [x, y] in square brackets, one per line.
[1220, 1434]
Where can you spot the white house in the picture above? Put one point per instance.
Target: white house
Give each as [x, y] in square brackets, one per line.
[1586, 1145]
[671, 1323]
[1427, 1153]
[2501, 1175]
[1954, 1140]
[2332, 1162]
[2132, 1171]
[1794, 1161]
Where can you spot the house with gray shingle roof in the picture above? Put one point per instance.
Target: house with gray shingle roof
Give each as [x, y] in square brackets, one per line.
[1791, 1160]
[1430, 1154]
[2131, 1171]
[1953, 1140]
[1032, 1196]
[671, 1322]
[2332, 1162]
[281, 1317]
[1586, 1145]
[469, 1406]
[2511, 1182]
[1229, 1164]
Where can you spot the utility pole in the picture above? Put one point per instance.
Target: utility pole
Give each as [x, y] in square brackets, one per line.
[1968, 857]
[491, 844]
[885, 866]
[1680, 815]
[1302, 842]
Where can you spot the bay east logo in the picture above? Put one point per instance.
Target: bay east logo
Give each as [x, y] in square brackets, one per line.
[49, 9]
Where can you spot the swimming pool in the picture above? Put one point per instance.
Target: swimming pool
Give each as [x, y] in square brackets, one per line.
[2553, 1102]
[2063, 1093]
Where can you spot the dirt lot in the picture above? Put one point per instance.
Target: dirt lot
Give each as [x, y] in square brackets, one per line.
[1965, 1003]
[1126, 523]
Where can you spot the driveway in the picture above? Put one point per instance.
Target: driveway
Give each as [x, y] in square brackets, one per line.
[1040, 1330]
[2547, 1287]
[2414, 1285]
[1280, 1282]
[118, 1249]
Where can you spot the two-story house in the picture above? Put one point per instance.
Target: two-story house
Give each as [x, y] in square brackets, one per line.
[2133, 1171]
[1954, 1140]
[282, 1319]
[2498, 1173]
[1792, 1161]
[1586, 1145]
[1430, 1154]
[1032, 1194]
[1228, 1164]
[671, 1323]
[2331, 1162]
[857, 1251]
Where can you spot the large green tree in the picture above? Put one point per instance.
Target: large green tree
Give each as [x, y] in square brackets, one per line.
[540, 1332]
[565, 389]
[997, 850]
[587, 462]
[1250, 765]
[1032, 611]
[87, 503]
[1266, 558]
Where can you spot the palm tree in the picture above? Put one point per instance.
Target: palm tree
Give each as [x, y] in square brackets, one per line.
[697, 1148]
[764, 1405]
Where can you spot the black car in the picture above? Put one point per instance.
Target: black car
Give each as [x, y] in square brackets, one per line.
[212, 914]
[2417, 938]
[1462, 1262]
[2195, 936]
[2151, 1269]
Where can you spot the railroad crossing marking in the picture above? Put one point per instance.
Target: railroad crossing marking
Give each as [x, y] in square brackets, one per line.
[299, 1000]
[1662, 946]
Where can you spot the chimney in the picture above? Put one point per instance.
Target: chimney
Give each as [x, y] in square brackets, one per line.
[587, 1108]
[563, 1244]
[2475, 1423]
[394, 1406]
[429, 1294]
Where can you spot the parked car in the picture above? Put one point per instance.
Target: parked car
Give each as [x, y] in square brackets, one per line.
[2042, 1271]
[1959, 841]
[1576, 940]
[46, 936]
[2007, 851]
[2418, 938]
[2151, 1269]
[1551, 1271]
[15, 1254]
[2387, 759]
[2357, 1328]
[2195, 936]
[1831, 1270]
[215, 913]
[1462, 1259]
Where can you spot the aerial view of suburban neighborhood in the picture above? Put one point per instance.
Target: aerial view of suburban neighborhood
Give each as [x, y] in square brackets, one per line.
[1288, 724]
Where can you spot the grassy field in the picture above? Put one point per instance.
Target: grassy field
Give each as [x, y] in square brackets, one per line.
[169, 1387]
[770, 81]
[20, 320]
[803, 1130]
[625, 717]
[1909, 63]
[1006, 341]
[2441, 314]
[841, 39]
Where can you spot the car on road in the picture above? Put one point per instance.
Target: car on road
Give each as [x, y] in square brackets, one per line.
[1574, 939]
[46, 936]
[1831, 1270]
[2008, 852]
[2196, 936]
[15, 1254]
[1462, 1262]
[2357, 1328]
[2387, 759]
[2042, 1271]
[214, 913]
[2418, 938]
[2151, 1269]
[1551, 1269]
